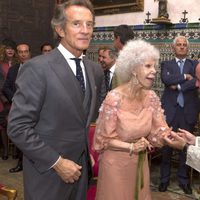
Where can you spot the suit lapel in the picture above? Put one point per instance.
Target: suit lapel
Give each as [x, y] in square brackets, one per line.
[175, 67]
[61, 68]
[91, 80]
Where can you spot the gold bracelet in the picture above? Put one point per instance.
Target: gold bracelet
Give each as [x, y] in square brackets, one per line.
[131, 149]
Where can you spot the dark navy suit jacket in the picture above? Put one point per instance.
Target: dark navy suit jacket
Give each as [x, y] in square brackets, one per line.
[9, 87]
[170, 75]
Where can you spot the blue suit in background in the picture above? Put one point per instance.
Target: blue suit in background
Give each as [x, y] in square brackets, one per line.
[176, 116]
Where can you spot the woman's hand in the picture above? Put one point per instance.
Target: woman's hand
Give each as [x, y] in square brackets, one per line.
[141, 145]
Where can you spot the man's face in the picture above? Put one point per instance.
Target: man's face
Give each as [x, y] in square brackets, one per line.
[107, 62]
[100, 55]
[23, 52]
[77, 33]
[46, 49]
[181, 48]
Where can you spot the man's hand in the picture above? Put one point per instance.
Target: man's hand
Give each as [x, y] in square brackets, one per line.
[190, 139]
[175, 140]
[173, 87]
[68, 170]
[189, 77]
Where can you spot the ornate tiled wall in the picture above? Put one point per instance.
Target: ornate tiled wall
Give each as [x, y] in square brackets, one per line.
[159, 35]
[27, 21]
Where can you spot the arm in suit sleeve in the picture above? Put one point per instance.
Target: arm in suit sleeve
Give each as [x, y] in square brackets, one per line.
[190, 84]
[168, 76]
[25, 114]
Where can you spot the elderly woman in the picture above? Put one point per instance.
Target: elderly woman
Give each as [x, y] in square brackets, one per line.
[130, 121]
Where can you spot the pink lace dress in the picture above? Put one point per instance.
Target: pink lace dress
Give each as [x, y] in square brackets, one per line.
[119, 119]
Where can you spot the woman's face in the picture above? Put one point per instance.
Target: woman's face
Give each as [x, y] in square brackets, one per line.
[10, 52]
[146, 73]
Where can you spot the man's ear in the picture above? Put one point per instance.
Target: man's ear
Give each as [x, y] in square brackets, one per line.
[59, 30]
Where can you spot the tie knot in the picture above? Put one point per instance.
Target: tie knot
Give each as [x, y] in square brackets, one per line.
[107, 71]
[180, 61]
[77, 60]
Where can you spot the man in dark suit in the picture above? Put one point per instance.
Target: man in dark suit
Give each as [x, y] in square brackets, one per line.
[180, 103]
[53, 106]
[24, 54]
[108, 64]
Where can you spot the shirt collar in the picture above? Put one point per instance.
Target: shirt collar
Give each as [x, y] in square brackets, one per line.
[67, 54]
[112, 69]
[177, 59]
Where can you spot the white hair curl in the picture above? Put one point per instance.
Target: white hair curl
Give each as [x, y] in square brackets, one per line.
[134, 54]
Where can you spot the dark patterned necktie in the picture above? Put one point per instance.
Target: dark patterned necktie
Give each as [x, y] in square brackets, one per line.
[107, 79]
[79, 73]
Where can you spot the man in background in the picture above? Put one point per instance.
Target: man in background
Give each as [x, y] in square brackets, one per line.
[108, 59]
[46, 48]
[181, 106]
[122, 34]
[9, 88]
[100, 53]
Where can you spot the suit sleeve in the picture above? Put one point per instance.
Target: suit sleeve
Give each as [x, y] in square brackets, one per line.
[168, 77]
[190, 85]
[24, 115]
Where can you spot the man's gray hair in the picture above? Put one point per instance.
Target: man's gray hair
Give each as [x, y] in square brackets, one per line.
[60, 17]
[179, 37]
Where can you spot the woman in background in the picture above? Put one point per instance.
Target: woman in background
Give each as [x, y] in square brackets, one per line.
[8, 57]
[130, 122]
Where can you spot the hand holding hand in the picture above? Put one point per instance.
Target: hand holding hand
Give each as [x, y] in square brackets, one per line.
[190, 139]
[175, 140]
[68, 170]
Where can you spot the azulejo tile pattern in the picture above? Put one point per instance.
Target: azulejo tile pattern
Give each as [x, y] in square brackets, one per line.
[159, 35]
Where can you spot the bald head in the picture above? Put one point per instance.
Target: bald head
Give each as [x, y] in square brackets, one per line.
[197, 73]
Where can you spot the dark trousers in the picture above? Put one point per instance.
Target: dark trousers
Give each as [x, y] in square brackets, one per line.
[165, 169]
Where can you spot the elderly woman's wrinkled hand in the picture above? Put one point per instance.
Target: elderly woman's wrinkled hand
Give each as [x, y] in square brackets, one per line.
[141, 145]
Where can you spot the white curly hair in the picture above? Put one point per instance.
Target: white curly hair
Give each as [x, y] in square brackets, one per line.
[133, 55]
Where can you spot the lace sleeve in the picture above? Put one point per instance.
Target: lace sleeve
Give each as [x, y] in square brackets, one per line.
[159, 124]
[193, 157]
[106, 123]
